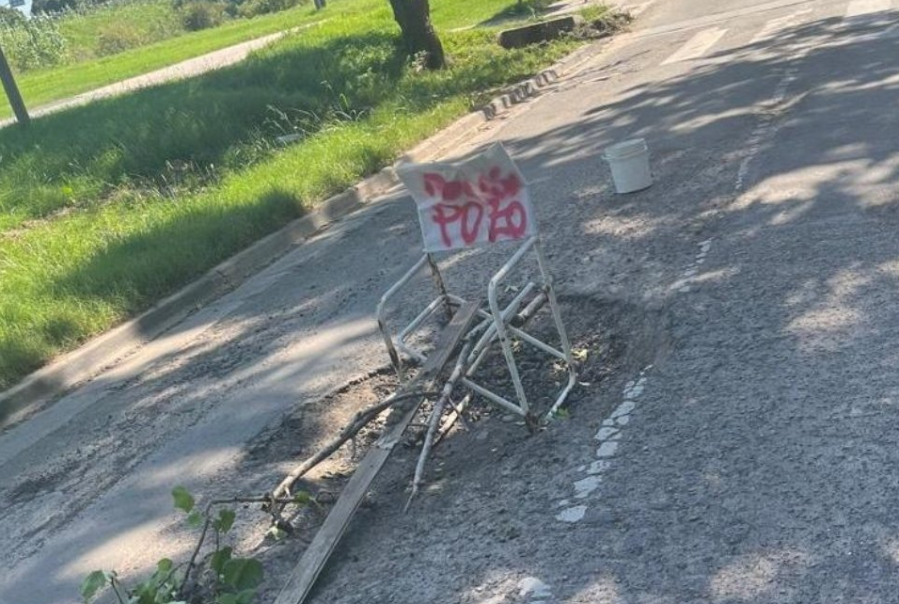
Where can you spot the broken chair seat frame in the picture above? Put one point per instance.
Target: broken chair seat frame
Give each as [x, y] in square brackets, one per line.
[497, 324]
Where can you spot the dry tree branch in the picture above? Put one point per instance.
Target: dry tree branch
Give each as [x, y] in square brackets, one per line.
[359, 421]
[436, 414]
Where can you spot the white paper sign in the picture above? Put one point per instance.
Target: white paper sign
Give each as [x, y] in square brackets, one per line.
[477, 202]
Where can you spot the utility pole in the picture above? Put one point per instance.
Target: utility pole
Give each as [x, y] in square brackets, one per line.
[12, 91]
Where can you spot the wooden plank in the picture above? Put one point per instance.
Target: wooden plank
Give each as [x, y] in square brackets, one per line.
[449, 340]
[300, 582]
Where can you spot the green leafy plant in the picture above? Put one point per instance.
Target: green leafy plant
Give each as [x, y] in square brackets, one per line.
[159, 588]
[220, 577]
[118, 36]
[31, 43]
[202, 14]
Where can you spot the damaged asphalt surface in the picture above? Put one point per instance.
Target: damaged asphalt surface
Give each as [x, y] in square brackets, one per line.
[745, 306]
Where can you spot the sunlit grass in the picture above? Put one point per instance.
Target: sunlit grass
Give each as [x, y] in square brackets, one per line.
[106, 208]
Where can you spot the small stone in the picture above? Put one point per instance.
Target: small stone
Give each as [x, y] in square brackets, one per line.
[607, 449]
[573, 514]
[607, 433]
[623, 420]
[608, 422]
[700, 260]
[623, 409]
[637, 391]
[691, 272]
[508, 418]
[563, 503]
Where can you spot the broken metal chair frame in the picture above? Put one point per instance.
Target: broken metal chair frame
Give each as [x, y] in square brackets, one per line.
[497, 323]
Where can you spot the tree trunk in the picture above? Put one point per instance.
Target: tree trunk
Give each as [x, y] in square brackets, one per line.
[414, 19]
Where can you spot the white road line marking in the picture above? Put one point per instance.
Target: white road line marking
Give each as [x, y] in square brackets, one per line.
[775, 26]
[858, 8]
[608, 436]
[696, 46]
[693, 270]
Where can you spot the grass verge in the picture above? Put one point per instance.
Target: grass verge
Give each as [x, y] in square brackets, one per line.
[44, 86]
[106, 208]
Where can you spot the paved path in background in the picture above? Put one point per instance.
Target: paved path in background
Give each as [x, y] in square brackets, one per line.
[179, 71]
[218, 59]
[757, 462]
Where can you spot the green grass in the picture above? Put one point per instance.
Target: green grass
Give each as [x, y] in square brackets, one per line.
[44, 86]
[92, 34]
[108, 207]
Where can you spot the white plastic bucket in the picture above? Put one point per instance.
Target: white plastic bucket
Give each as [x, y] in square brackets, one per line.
[629, 162]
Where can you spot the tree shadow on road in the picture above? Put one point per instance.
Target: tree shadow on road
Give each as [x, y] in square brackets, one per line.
[759, 466]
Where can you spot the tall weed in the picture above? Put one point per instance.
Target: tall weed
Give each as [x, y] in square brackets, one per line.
[32, 43]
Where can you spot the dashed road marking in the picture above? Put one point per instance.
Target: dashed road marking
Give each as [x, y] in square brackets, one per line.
[776, 26]
[609, 436]
[572, 514]
[692, 271]
[696, 46]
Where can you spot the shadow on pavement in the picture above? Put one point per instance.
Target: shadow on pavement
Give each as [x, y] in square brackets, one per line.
[760, 465]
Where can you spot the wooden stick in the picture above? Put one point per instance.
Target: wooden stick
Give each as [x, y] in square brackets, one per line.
[434, 421]
[453, 417]
[316, 555]
[359, 421]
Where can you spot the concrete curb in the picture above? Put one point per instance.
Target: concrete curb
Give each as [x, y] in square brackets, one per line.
[44, 386]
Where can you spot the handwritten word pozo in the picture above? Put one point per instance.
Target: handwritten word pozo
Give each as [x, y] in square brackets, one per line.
[478, 202]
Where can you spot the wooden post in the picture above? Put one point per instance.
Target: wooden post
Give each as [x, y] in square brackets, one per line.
[12, 91]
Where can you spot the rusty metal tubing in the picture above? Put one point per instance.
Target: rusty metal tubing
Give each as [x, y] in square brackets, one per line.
[560, 327]
[519, 320]
[422, 316]
[500, 323]
[440, 284]
[502, 402]
[537, 343]
[488, 336]
[395, 359]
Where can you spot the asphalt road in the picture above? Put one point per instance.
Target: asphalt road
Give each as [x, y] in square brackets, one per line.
[759, 465]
